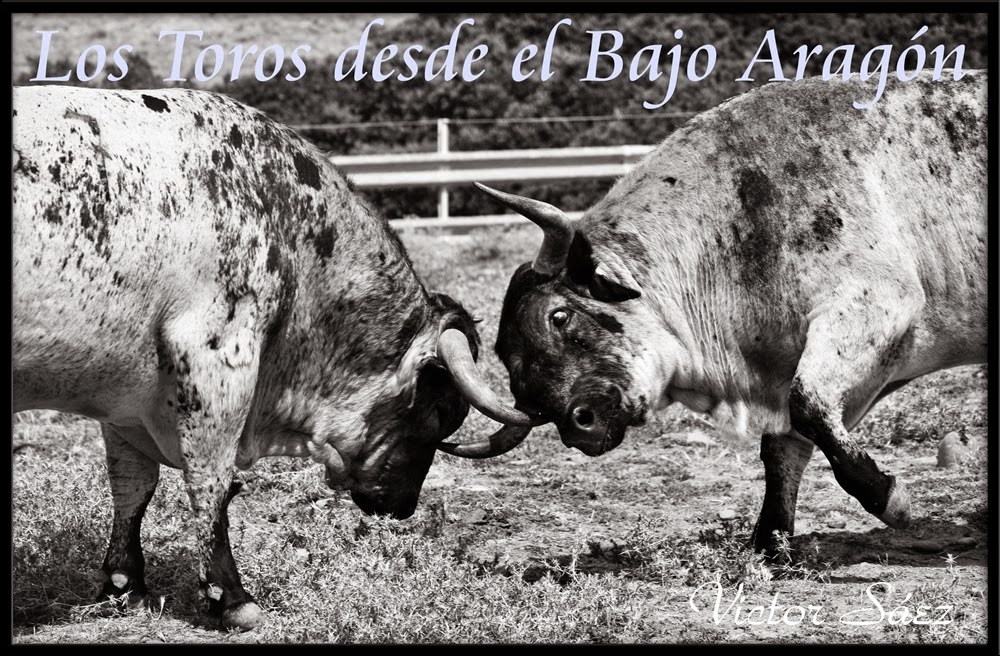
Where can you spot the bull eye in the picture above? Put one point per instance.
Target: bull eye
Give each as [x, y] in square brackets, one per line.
[559, 318]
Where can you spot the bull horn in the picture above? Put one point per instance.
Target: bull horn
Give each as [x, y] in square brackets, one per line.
[558, 228]
[454, 352]
[498, 444]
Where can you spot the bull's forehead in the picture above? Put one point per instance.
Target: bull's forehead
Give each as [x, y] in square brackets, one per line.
[530, 300]
[525, 287]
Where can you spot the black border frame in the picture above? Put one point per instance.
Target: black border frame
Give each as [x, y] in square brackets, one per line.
[991, 9]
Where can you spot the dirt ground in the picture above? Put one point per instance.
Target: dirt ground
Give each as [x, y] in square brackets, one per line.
[543, 544]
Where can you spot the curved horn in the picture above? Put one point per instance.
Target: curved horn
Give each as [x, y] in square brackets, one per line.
[558, 228]
[498, 444]
[454, 352]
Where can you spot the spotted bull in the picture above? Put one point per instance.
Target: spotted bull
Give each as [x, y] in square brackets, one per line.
[781, 262]
[205, 284]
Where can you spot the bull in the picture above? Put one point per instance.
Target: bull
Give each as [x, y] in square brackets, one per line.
[782, 262]
[205, 284]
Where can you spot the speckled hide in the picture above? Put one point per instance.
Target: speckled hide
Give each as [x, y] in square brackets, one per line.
[204, 283]
[781, 262]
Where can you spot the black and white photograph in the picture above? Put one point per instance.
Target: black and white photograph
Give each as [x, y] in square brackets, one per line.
[503, 325]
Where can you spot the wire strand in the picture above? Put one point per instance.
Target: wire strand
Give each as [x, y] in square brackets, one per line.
[325, 127]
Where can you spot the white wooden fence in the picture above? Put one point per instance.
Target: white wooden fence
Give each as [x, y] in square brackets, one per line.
[446, 169]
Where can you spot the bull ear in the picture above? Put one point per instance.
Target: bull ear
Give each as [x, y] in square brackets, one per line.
[608, 279]
[614, 284]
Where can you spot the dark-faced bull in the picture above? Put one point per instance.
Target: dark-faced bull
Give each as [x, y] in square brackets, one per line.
[204, 283]
[781, 262]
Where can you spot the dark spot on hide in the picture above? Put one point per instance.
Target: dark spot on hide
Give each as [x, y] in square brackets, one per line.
[307, 170]
[26, 166]
[670, 180]
[755, 191]
[962, 130]
[213, 343]
[272, 258]
[199, 121]
[757, 238]
[608, 322]
[212, 184]
[89, 120]
[236, 137]
[952, 131]
[52, 215]
[925, 107]
[188, 399]
[56, 173]
[324, 241]
[826, 225]
[155, 104]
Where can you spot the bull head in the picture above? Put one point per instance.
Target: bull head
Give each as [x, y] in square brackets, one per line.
[453, 347]
[563, 248]
[590, 396]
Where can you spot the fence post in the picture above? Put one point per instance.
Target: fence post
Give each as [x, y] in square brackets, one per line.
[442, 141]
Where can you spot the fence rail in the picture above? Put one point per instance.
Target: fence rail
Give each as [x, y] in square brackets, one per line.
[453, 168]
[445, 169]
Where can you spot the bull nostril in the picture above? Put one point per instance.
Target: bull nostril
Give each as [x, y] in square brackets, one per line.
[583, 417]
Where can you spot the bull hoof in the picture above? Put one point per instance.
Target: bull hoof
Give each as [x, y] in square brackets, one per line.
[245, 617]
[897, 510]
[120, 594]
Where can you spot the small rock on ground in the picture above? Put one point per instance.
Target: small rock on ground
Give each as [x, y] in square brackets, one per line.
[475, 516]
[836, 521]
[699, 438]
[950, 451]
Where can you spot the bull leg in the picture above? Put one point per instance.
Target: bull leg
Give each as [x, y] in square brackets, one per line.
[215, 389]
[133, 477]
[851, 352]
[785, 458]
